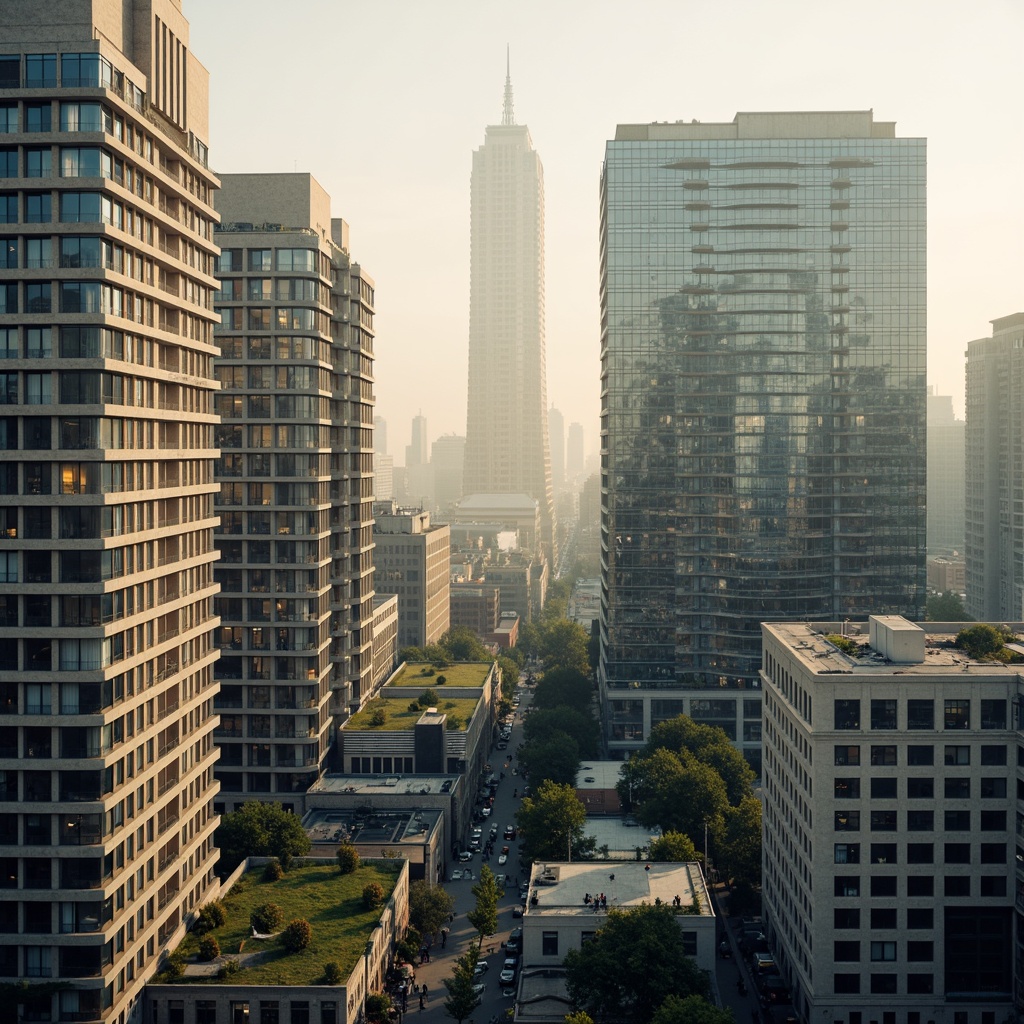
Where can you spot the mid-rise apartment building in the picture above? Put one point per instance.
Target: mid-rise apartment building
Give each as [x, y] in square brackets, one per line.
[107, 490]
[296, 480]
[995, 472]
[412, 560]
[892, 851]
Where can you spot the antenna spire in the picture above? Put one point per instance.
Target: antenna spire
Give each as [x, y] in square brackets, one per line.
[507, 114]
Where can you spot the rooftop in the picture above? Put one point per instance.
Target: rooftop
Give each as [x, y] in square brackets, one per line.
[377, 826]
[330, 901]
[464, 674]
[560, 887]
[402, 716]
[379, 785]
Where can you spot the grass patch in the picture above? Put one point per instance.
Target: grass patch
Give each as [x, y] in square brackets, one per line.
[398, 717]
[330, 901]
[472, 673]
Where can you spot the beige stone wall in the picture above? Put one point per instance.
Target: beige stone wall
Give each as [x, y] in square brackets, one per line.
[292, 200]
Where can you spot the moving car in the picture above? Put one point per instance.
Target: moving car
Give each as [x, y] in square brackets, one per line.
[503, 857]
[485, 811]
[455, 876]
[465, 856]
[510, 831]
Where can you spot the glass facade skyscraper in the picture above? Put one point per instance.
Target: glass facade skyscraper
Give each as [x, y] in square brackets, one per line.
[763, 400]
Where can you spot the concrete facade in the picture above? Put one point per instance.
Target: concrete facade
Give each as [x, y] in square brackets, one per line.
[891, 807]
[107, 612]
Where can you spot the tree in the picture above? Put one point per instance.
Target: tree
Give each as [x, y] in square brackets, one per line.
[429, 906]
[209, 948]
[674, 846]
[982, 641]
[377, 1006]
[259, 830]
[297, 936]
[462, 1000]
[691, 1010]
[554, 757]
[580, 725]
[947, 607]
[348, 858]
[462, 644]
[266, 918]
[708, 743]
[552, 824]
[739, 848]
[509, 675]
[634, 962]
[563, 688]
[578, 1018]
[484, 916]
[564, 645]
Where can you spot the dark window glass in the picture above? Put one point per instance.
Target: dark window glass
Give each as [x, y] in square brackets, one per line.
[957, 853]
[883, 714]
[847, 789]
[957, 714]
[883, 755]
[883, 917]
[956, 885]
[846, 951]
[920, 853]
[883, 789]
[920, 714]
[920, 789]
[957, 789]
[920, 918]
[883, 886]
[846, 917]
[993, 754]
[993, 714]
[847, 885]
[847, 755]
[920, 821]
[847, 714]
[920, 755]
[958, 821]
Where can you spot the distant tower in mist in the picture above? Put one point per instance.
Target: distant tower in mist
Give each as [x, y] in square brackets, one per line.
[380, 435]
[416, 451]
[574, 453]
[556, 436]
[507, 415]
[946, 481]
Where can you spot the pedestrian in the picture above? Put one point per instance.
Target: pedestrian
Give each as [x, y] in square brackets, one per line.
[423, 1001]
[444, 937]
[424, 990]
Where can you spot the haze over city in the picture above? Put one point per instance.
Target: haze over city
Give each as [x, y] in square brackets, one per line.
[385, 103]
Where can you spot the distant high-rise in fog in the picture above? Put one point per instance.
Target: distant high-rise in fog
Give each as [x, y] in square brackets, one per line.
[574, 459]
[556, 436]
[447, 457]
[416, 450]
[995, 472]
[507, 413]
[763, 411]
[380, 435]
[945, 477]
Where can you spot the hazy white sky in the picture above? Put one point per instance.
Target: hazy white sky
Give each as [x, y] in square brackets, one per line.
[383, 101]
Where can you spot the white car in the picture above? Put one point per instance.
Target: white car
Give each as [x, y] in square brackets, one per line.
[466, 855]
[502, 858]
[482, 966]
[456, 876]
[485, 811]
[478, 990]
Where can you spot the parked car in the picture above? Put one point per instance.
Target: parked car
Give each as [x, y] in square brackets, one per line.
[482, 966]
[508, 972]
[486, 811]
[455, 876]
[517, 910]
[503, 857]
[514, 942]
[478, 990]
[465, 856]
[510, 831]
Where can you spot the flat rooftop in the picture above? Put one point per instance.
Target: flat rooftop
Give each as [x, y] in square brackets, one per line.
[599, 775]
[400, 717]
[426, 676]
[621, 835]
[380, 825]
[386, 785]
[560, 887]
[807, 642]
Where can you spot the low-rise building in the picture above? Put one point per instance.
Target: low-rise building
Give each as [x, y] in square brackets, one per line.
[475, 605]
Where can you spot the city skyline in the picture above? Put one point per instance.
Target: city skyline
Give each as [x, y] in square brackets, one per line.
[574, 83]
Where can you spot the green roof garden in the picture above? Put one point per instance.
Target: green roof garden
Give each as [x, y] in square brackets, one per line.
[398, 714]
[331, 902]
[470, 673]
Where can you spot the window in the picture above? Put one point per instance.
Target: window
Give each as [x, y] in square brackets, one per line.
[10, 72]
[993, 821]
[958, 821]
[920, 756]
[37, 208]
[847, 755]
[993, 853]
[883, 714]
[957, 789]
[847, 853]
[883, 821]
[920, 714]
[8, 117]
[884, 885]
[920, 821]
[957, 714]
[920, 918]
[40, 70]
[920, 853]
[883, 917]
[847, 821]
[846, 917]
[846, 951]
[8, 208]
[920, 789]
[993, 788]
[883, 853]
[992, 885]
[847, 714]
[37, 297]
[883, 789]
[883, 755]
[993, 714]
[38, 163]
[847, 885]
[957, 885]
[958, 853]
[8, 163]
[549, 943]
[9, 259]
[261, 259]
[37, 117]
[919, 984]
[846, 984]
[883, 951]
[883, 984]
[993, 754]
[847, 789]
[8, 298]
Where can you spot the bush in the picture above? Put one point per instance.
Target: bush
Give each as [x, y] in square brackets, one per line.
[266, 918]
[441, 680]
[377, 1006]
[227, 969]
[272, 872]
[209, 948]
[378, 717]
[428, 699]
[373, 896]
[298, 935]
[348, 858]
[174, 968]
[408, 951]
[286, 860]
[211, 916]
[332, 973]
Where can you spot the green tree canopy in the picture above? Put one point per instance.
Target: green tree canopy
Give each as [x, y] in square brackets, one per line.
[580, 725]
[674, 846]
[691, 1010]
[947, 607]
[462, 644]
[462, 1000]
[739, 848]
[632, 965]
[509, 675]
[259, 830]
[552, 822]
[709, 744]
[982, 641]
[484, 915]
[555, 756]
[564, 688]
[429, 906]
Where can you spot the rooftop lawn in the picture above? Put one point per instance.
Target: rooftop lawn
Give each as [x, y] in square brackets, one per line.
[400, 716]
[472, 673]
[330, 901]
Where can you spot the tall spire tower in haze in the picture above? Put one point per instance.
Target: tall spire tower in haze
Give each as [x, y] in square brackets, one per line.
[507, 419]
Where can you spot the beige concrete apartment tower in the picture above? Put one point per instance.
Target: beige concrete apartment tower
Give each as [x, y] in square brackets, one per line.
[106, 496]
[295, 471]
